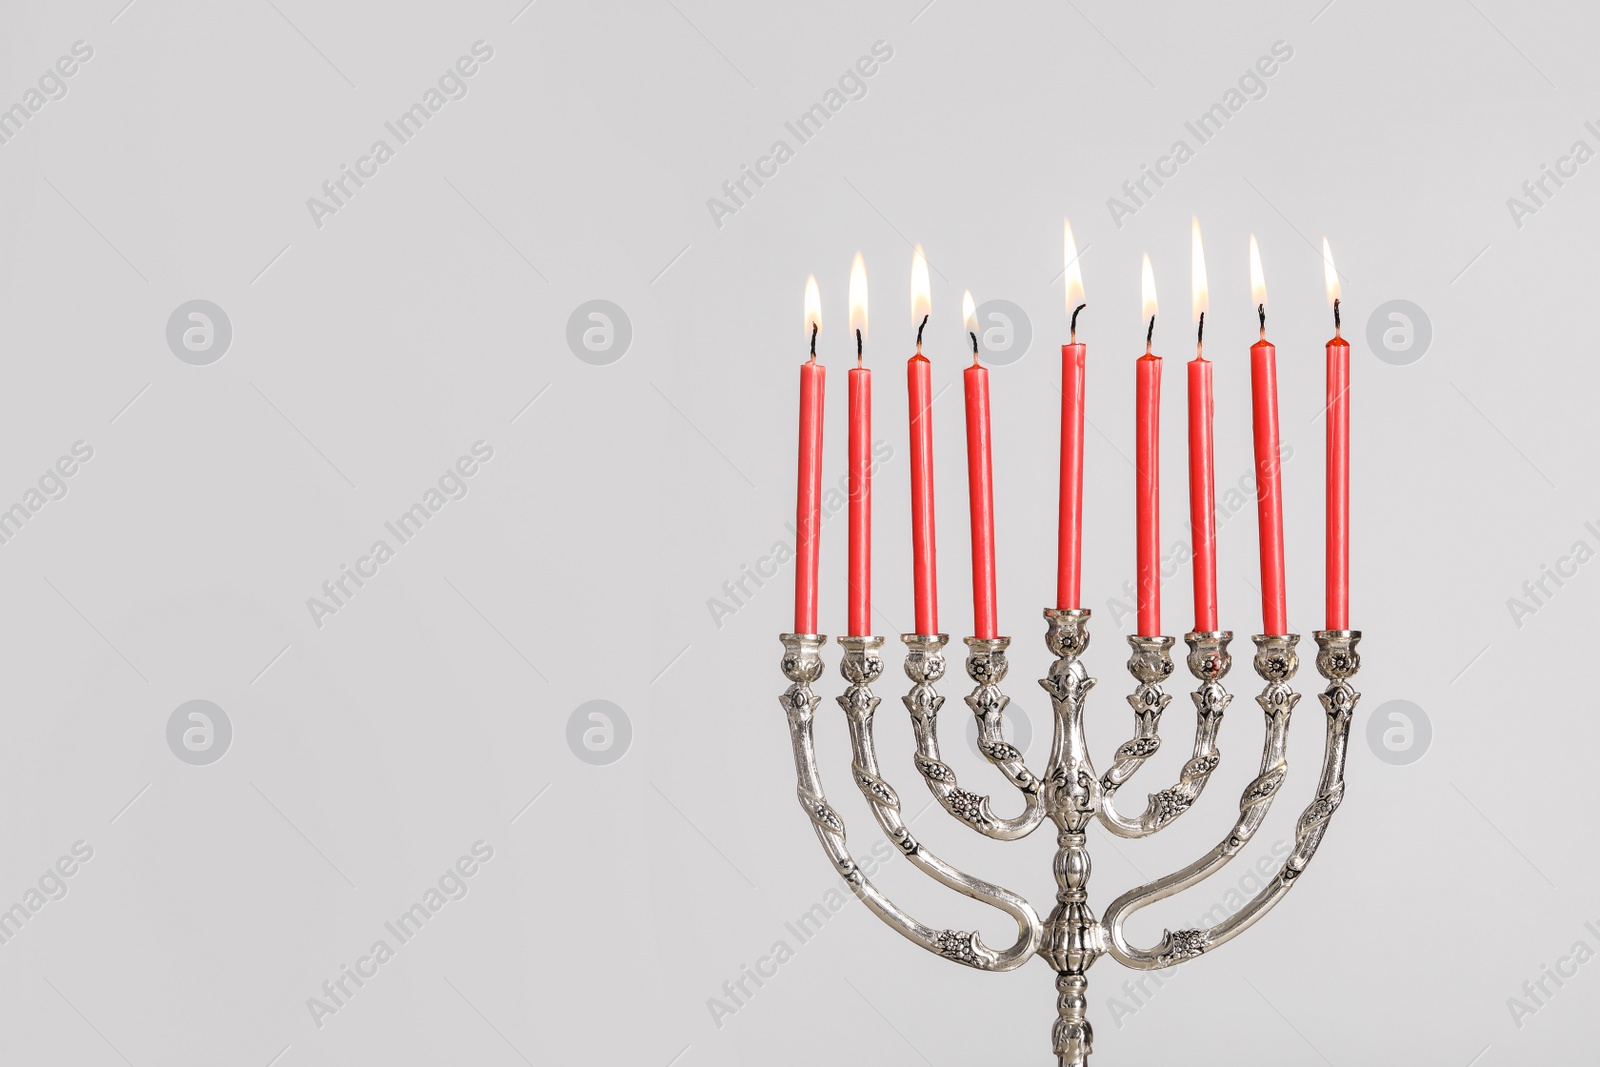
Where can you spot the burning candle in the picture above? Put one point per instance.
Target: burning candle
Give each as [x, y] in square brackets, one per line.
[1202, 461]
[860, 463]
[1069, 529]
[1269, 476]
[919, 383]
[808, 497]
[1338, 572]
[1147, 466]
[980, 484]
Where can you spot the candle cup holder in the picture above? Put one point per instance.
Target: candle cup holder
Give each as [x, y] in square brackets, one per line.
[1069, 792]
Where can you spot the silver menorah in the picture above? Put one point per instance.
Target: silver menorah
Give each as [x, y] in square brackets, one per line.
[1070, 793]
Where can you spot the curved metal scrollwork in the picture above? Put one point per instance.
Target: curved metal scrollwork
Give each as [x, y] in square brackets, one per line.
[861, 665]
[986, 664]
[1276, 661]
[1150, 665]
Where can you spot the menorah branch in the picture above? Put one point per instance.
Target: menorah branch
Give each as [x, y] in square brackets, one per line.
[1276, 661]
[986, 664]
[861, 665]
[1209, 662]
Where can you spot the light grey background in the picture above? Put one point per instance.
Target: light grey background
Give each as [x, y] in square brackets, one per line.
[435, 708]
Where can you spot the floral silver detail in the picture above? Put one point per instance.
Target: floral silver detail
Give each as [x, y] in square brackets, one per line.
[964, 947]
[1183, 945]
[986, 664]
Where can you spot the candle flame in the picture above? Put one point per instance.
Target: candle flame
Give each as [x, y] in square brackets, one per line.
[813, 306]
[1200, 295]
[1074, 275]
[1147, 288]
[969, 311]
[921, 290]
[858, 296]
[1258, 281]
[1330, 274]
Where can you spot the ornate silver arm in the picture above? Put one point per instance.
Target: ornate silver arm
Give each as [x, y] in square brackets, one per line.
[1150, 665]
[861, 665]
[986, 664]
[1276, 661]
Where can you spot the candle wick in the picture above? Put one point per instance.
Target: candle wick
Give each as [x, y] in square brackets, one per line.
[920, 325]
[1261, 310]
[1075, 311]
[974, 337]
[1200, 334]
[858, 348]
[1149, 335]
[1336, 316]
[814, 328]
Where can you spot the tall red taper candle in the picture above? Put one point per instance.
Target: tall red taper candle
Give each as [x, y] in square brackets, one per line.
[1338, 544]
[860, 600]
[919, 390]
[808, 496]
[1202, 458]
[1269, 474]
[1147, 469]
[980, 487]
[1069, 527]
[860, 501]
[1202, 494]
[919, 380]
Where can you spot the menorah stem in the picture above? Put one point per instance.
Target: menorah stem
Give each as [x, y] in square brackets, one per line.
[1071, 945]
[1072, 936]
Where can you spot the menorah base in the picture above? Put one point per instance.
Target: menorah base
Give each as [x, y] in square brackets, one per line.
[1070, 793]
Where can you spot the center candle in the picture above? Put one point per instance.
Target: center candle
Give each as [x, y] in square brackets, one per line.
[1147, 467]
[1069, 528]
[1202, 458]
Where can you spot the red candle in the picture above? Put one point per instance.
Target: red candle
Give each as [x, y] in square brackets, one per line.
[1147, 469]
[1202, 460]
[919, 387]
[980, 485]
[1269, 479]
[860, 621]
[808, 497]
[1338, 572]
[1069, 529]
